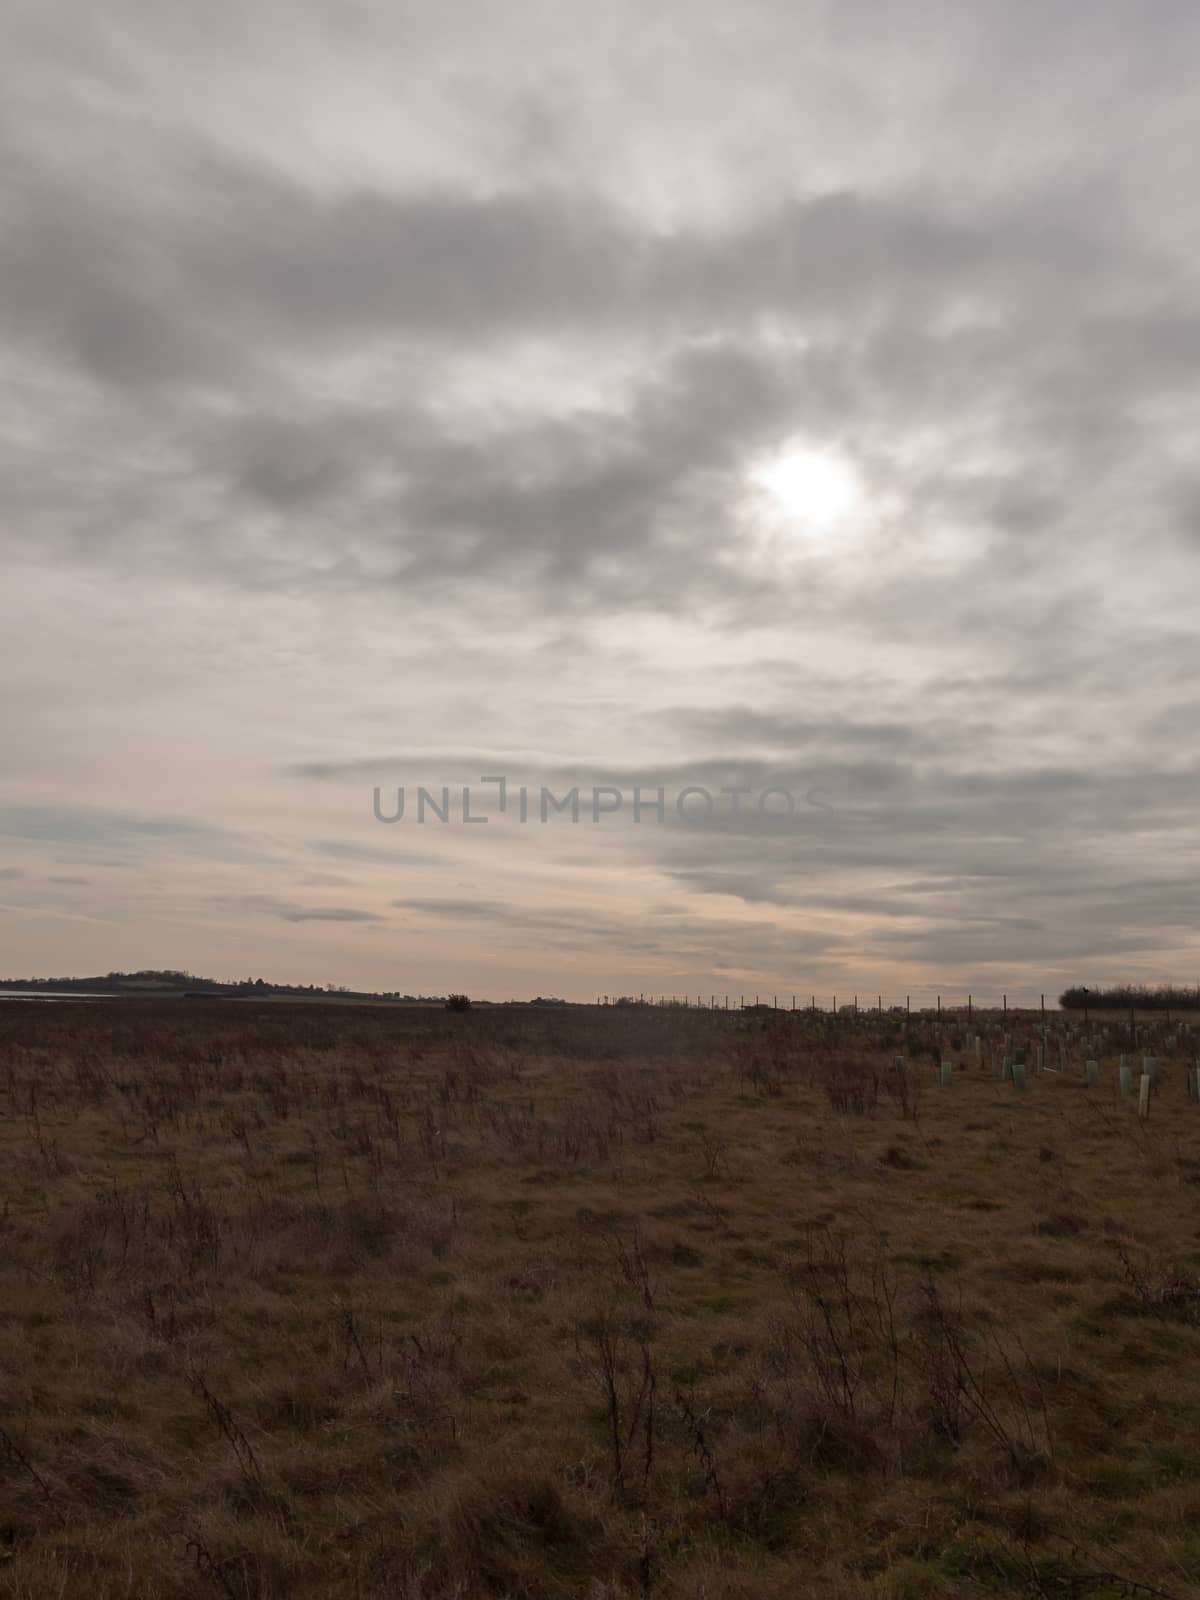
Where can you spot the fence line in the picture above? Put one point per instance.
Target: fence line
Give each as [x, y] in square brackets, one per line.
[871, 1004]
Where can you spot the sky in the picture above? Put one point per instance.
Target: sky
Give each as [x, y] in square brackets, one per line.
[788, 405]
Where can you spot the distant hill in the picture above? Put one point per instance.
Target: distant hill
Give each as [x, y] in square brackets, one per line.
[168, 981]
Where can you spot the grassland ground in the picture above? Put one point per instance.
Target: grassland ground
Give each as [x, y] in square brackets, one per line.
[352, 1302]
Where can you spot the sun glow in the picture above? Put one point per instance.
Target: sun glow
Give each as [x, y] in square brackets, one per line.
[810, 488]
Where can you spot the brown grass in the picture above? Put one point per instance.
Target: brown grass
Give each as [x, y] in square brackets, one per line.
[309, 1301]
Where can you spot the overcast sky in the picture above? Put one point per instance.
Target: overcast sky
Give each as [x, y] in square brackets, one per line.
[787, 395]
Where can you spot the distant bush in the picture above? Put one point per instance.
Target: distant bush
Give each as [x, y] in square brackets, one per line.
[458, 1002]
[1127, 996]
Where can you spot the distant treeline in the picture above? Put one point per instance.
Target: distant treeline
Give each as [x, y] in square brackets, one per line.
[169, 981]
[1131, 997]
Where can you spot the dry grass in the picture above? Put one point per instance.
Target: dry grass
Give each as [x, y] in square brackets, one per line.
[309, 1301]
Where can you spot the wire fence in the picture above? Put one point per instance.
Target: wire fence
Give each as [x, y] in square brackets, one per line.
[853, 1004]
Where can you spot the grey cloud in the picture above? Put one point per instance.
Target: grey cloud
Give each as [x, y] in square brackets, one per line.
[290, 911]
[369, 855]
[741, 726]
[284, 463]
[991, 943]
[94, 825]
[260, 251]
[281, 264]
[603, 499]
[328, 914]
[671, 935]
[455, 908]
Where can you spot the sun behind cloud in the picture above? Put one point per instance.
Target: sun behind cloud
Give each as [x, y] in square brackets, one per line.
[809, 489]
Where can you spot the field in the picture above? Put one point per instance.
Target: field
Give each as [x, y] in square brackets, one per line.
[600, 1303]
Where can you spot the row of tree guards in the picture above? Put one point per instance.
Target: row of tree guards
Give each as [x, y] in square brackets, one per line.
[1013, 1070]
